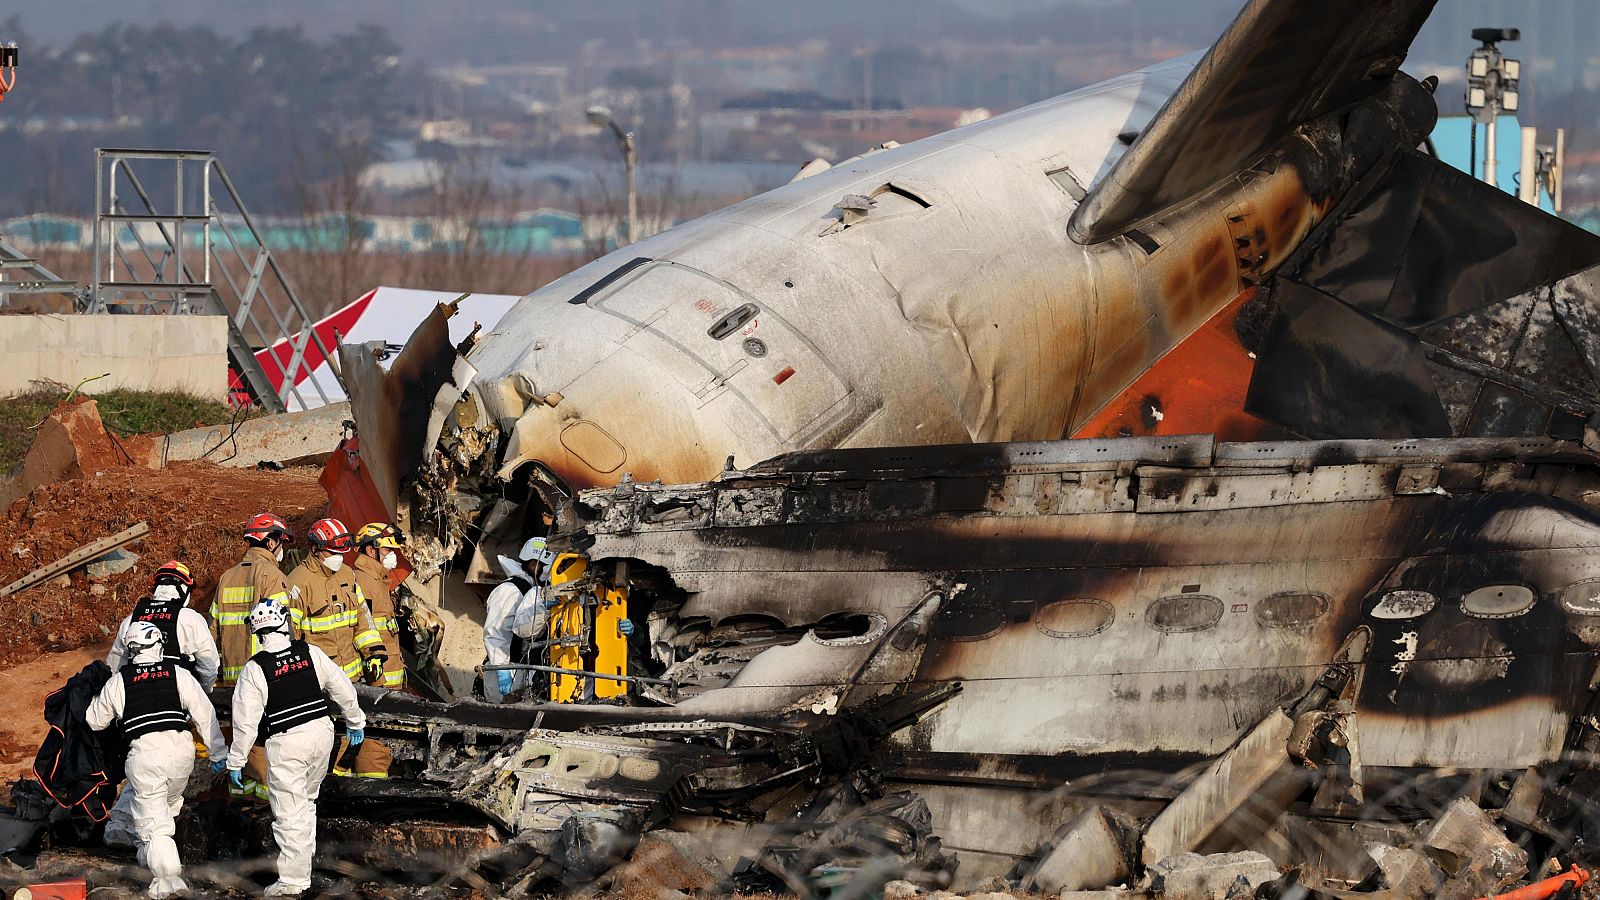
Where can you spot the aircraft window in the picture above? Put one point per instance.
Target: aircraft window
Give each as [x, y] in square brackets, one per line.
[849, 628]
[1292, 609]
[1184, 613]
[1583, 598]
[638, 768]
[733, 321]
[967, 621]
[1498, 601]
[594, 446]
[1075, 618]
[1404, 605]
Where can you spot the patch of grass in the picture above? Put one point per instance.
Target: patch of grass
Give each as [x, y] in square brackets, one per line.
[123, 411]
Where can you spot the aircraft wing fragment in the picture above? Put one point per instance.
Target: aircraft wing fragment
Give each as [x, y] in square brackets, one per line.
[1280, 64]
[1431, 304]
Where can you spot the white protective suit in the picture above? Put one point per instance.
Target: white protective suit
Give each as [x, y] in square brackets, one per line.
[297, 760]
[159, 765]
[510, 612]
[194, 641]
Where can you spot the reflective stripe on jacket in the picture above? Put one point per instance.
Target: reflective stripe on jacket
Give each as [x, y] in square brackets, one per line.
[256, 577]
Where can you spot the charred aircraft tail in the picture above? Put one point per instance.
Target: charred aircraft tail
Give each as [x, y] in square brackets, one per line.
[1279, 66]
[1430, 304]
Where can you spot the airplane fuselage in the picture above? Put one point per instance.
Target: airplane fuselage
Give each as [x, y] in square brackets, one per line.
[923, 294]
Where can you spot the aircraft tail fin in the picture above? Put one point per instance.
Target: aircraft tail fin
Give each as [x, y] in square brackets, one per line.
[1279, 65]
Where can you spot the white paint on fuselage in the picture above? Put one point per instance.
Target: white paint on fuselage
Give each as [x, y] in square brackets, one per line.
[973, 319]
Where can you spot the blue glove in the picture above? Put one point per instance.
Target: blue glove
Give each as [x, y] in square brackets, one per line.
[504, 678]
[625, 626]
[236, 779]
[356, 735]
[217, 765]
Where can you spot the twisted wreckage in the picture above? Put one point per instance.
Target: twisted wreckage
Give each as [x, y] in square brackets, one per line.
[988, 650]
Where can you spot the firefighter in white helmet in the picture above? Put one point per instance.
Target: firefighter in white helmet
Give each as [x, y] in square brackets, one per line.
[280, 701]
[155, 699]
[515, 611]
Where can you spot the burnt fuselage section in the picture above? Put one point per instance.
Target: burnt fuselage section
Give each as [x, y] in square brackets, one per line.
[1061, 613]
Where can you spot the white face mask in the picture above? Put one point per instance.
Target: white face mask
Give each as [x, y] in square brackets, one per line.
[390, 560]
[279, 553]
[166, 592]
[334, 562]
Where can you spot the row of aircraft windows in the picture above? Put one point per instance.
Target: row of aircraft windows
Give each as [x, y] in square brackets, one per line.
[1182, 613]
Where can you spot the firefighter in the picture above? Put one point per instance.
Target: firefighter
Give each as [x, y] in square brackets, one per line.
[279, 702]
[186, 635]
[377, 555]
[515, 611]
[156, 699]
[256, 578]
[328, 611]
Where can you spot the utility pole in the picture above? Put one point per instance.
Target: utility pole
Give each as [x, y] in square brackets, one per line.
[1491, 88]
[601, 116]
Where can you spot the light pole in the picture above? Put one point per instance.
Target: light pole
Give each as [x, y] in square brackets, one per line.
[599, 115]
[1491, 88]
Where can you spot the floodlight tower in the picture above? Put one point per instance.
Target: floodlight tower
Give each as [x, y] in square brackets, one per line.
[8, 67]
[1492, 87]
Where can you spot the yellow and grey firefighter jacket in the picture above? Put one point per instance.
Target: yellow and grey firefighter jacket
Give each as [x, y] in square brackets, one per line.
[373, 579]
[327, 610]
[254, 579]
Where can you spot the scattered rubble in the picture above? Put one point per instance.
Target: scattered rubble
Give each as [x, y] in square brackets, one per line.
[114, 563]
[56, 571]
[1195, 877]
[1086, 853]
[1473, 851]
[194, 510]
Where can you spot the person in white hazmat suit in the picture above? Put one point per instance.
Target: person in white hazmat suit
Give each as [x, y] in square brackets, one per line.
[282, 697]
[517, 608]
[155, 700]
[188, 644]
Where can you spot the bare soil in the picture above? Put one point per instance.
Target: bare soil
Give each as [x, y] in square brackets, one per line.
[195, 511]
[24, 688]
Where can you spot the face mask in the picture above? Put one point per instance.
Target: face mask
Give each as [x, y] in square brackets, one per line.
[390, 560]
[279, 554]
[166, 592]
[334, 562]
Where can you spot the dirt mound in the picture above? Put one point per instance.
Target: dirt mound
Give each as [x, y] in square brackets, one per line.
[22, 717]
[195, 511]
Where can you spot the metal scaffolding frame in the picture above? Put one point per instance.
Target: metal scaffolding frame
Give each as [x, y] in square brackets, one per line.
[146, 260]
[22, 274]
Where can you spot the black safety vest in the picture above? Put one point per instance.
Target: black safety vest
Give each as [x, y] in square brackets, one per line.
[151, 701]
[164, 615]
[294, 695]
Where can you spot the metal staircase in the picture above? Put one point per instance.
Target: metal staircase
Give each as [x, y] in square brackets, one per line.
[203, 255]
[22, 274]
